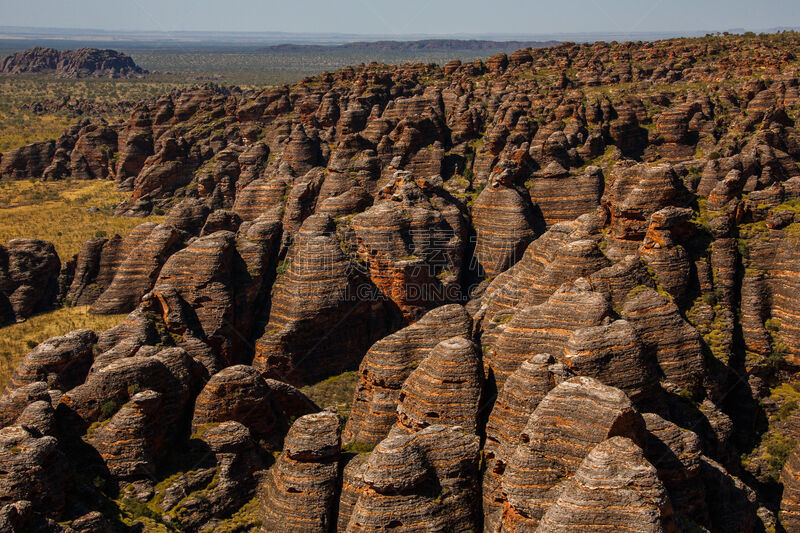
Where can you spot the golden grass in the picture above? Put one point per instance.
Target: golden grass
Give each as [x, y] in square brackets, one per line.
[20, 126]
[18, 339]
[59, 212]
[336, 391]
[28, 128]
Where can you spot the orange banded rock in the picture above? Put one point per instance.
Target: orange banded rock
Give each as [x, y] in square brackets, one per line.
[612, 354]
[567, 424]
[138, 273]
[614, 489]
[665, 334]
[425, 481]
[300, 490]
[324, 313]
[132, 443]
[543, 328]
[387, 365]
[790, 502]
[503, 222]
[445, 388]
[515, 403]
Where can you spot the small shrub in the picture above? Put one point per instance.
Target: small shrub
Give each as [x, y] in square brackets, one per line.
[777, 447]
[282, 267]
[108, 408]
[358, 447]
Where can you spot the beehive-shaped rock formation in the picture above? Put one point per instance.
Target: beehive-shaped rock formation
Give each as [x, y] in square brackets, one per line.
[300, 490]
[387, 365]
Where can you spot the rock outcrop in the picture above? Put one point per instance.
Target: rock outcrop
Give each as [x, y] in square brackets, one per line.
[79, 63]
[387, 365]
[423, 481]
[444, 389]
[614, 488]
[301, 488]
[562, 281]
[29, 270]
[552, 450]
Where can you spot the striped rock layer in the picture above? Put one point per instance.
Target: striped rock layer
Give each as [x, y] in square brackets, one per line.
[387, 365]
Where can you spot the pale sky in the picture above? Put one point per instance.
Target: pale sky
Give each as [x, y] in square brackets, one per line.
[404, 16]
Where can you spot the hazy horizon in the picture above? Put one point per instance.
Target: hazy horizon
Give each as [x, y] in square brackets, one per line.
[468, 18]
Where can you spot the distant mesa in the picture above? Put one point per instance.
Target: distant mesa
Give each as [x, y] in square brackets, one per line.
[80, 63]
[425, 45]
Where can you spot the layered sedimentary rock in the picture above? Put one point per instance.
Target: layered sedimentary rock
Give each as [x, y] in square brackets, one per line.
[565, 197]
[633, 193]
[564, 253]
[33, 469]
[138, 272]
[376, 194]
[62, 362]
[13, 402]
[170, 372]
[412, 241]
[612, 354]
[674, 343]
[387, 365]
[551, 449]
[669, 261]
[444, 389]
[676, 454]
[790, 502]
[240, 394]
[423, 481]
[543, 328]
[133, 442]
[503, 222]
[515, 403]
[615, 488]
[83, 289]
[222, 281]
[27, 161]
[301, 488]
[29, 270]
[324, 313]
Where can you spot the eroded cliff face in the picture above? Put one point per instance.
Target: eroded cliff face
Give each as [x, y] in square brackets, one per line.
[567, 308]
[79, 63]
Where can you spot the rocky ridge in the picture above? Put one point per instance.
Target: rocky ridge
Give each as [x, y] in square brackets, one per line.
[79, 63]
[572, 305]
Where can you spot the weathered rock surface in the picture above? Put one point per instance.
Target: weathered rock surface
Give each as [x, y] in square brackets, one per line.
[674, 343]
[324, 314]
[80, 63]
[240, 394]
[61, 362]
[551, 449]
[387, 365]
[790, 502]
[504, 224]
[423, 481]
[612, 354]
[138, 272]
[29, 270]
[614, 488]
[33, 469]
[444, 389]
[301, 488]
[626, 212]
